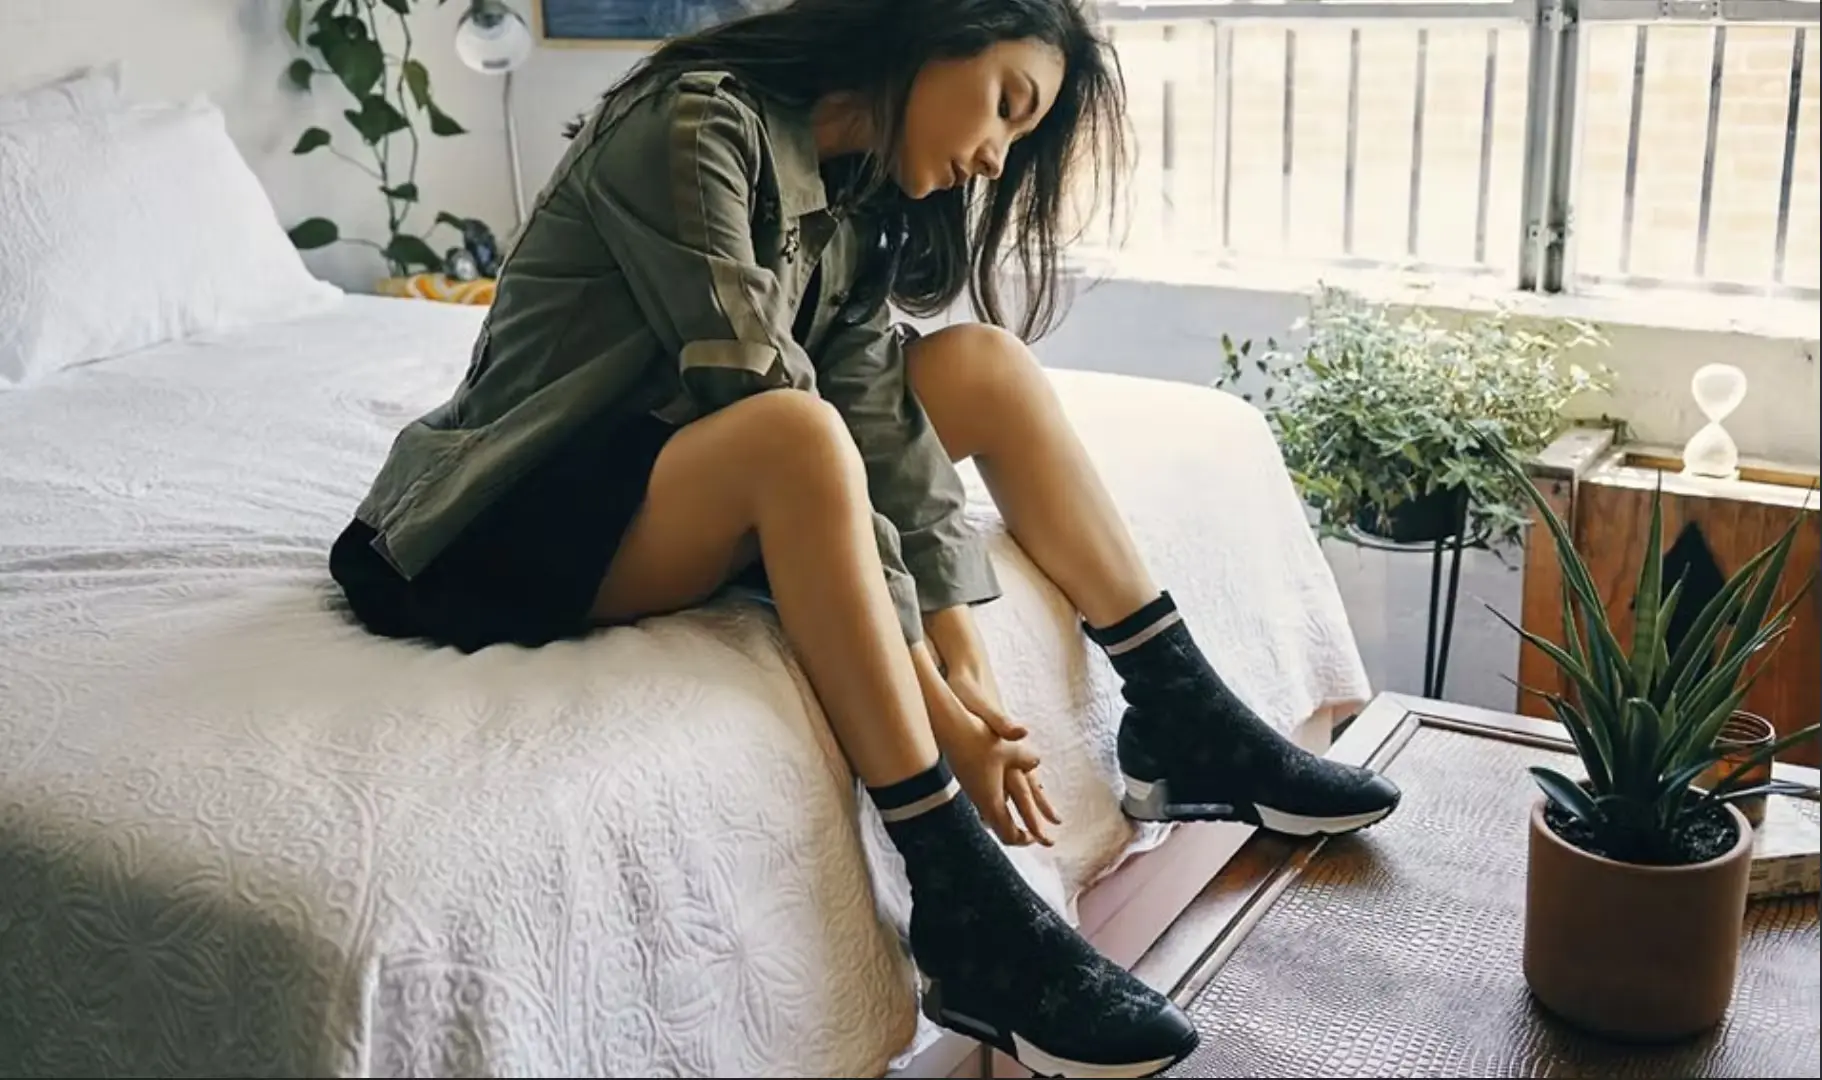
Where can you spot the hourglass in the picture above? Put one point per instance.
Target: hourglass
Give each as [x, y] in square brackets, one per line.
[1718, 390]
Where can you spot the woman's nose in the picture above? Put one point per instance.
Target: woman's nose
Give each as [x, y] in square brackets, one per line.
[990, 161]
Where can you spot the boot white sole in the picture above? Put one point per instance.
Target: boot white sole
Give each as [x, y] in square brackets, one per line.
[1150, 801]
[1041, 1062]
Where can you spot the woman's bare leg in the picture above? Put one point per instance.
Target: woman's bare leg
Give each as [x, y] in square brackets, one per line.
[1190, 748]
[1004, 968]
[988, 400]
[778, 475]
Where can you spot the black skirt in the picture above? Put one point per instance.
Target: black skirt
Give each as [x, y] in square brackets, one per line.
[526, 572]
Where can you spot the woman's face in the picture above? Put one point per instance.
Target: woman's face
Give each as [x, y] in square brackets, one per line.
[963, 114]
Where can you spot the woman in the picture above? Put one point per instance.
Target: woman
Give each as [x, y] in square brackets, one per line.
[690, 370]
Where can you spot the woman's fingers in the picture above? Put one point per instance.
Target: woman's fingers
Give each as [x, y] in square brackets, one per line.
[999, 815]
[1022, 788]
[1002, 725]
[1043, 800]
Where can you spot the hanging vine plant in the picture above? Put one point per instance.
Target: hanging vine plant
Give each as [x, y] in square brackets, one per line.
[391, 94]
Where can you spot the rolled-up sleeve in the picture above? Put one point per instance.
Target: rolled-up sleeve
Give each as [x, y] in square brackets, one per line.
[671, 190]
[909, 475]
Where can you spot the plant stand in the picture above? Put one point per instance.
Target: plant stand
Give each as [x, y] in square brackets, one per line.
[1440, 626]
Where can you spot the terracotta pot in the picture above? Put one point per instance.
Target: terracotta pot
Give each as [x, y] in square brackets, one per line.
[1637, 953]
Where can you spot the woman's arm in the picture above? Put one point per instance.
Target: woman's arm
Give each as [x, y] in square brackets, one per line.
[669, 186]
[909, 475]
[986, 749]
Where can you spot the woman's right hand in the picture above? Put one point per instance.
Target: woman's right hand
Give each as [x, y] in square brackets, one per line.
[988, 755]
[998, 775]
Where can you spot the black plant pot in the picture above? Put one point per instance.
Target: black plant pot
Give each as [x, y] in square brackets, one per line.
[1426, 519]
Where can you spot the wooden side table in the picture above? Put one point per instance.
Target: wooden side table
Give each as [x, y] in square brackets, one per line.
[1603, 490]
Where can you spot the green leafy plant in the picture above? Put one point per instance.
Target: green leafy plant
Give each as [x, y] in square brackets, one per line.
[1644, 720]
[1377, 409]
[340, 40]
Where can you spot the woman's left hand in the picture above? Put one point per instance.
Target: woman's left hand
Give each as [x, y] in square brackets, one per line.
[971, 680]
[974, 688]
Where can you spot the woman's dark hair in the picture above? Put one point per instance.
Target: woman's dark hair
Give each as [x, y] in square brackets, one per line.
[929, 250]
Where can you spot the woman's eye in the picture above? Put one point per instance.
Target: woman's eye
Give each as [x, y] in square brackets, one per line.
[1005, 107]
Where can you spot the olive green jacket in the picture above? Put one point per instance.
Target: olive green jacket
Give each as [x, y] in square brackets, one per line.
[660, 272]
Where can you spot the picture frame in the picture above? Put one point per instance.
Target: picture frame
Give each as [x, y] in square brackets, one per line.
[630, 24]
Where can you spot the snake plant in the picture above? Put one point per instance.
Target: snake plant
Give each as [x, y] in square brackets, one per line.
[1644, 719]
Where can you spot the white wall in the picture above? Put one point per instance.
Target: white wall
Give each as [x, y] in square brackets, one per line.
[236, 51]
[555, 86]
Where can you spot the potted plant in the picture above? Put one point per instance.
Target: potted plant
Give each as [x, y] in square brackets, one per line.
[1380, 416]
[1637, 875]
[389, 90]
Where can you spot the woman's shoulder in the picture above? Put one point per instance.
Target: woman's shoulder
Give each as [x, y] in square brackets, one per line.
[696, 96]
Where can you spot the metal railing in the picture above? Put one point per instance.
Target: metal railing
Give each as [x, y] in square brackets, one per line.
[1550, 40]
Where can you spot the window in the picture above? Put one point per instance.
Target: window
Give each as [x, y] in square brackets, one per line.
[1593, 147]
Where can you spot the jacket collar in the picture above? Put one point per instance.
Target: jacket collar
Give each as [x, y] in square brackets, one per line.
[800, 186]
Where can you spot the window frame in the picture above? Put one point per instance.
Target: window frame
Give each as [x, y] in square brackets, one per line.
[1553, 106]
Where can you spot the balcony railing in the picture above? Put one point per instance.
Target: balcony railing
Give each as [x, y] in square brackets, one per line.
[1610, 145]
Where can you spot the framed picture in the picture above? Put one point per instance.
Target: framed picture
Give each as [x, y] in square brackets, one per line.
[608, 23]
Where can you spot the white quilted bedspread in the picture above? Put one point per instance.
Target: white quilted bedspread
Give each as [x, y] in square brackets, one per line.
[237, 835]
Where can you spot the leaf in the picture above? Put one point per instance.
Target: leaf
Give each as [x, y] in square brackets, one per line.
[358, 62]
[1663, 689]
[1775, 787]
[1591, 744]
[409, 251]
[1695, 739]
[314, 233]
[1696, 651]
[441, 123]
[312, 139]
[300, 72]
[1705, 698]
[1647, 601]
[1730, 780]
[1603, 647]
[417, 80]
[406, 192]
[1566, 794]
[376, 118]
[1760, 599]
[1572, 641]
[444, 217]
[294, 21]
[1576, 671]
[1643, 738]
[403, 7]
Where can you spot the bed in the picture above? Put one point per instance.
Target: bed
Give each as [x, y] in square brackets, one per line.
[240, 836]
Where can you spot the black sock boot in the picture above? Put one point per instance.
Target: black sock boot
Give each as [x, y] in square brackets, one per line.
[1192, 751]
[1002, 966]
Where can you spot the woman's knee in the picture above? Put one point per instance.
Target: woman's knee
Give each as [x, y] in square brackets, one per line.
[969, 359]
[798, 439]
[973, 379]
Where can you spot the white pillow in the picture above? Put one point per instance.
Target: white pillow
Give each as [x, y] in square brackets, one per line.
[131, 228]
[88, 90]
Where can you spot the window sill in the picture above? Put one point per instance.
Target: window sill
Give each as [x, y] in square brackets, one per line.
[1773, 319]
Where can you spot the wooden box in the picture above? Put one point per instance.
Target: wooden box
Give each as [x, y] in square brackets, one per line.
[1603, 492]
